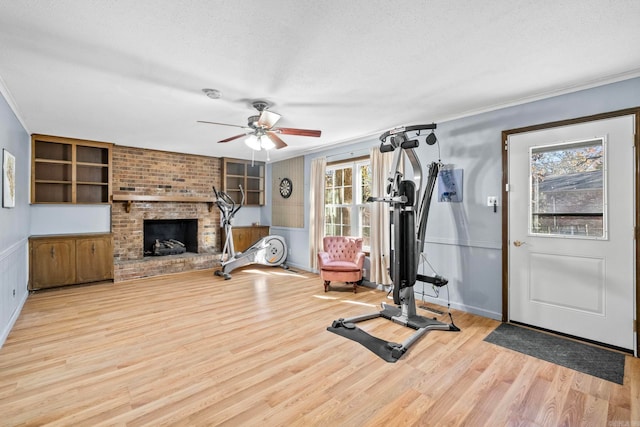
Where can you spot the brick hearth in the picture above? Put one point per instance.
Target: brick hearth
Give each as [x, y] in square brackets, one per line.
[141, 172]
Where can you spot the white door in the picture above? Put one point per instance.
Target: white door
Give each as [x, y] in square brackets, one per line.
[571, 230]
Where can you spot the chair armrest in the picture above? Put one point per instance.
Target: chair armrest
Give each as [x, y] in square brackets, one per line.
[360, 259]
[323, 258]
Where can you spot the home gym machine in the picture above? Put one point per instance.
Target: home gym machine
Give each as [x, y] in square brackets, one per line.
[407, 241]
[270, 250]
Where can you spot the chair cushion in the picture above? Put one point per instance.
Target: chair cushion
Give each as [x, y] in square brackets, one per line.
[341, 266]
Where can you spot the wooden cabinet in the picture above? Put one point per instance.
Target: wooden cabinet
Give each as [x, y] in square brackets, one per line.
[52, 262]
[65, 170]
[69, 259]
[249, 174]
[244, 237]
[94, 259]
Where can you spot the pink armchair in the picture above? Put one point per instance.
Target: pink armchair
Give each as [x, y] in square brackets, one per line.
[341, 261]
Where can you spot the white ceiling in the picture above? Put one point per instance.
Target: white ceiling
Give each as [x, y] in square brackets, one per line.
[132, 71]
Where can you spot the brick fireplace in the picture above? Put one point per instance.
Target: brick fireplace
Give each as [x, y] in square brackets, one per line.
[159, 185]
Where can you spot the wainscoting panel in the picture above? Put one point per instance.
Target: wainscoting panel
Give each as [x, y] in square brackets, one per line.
[14, 267]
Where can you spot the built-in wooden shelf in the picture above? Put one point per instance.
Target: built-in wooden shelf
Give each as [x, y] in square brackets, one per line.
[245, 173]
[70, 171]
[130, 198]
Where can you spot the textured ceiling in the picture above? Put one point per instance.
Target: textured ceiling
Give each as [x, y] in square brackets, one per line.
[131, 72]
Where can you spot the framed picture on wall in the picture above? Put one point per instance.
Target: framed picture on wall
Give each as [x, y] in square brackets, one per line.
[8, 179]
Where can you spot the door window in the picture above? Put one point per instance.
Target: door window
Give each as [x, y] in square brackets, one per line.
[568, 196]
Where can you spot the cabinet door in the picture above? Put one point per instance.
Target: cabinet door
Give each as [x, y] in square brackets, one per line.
[258, 233]
[244, 237]
[94, 259]
[53, 263]
[241, 238]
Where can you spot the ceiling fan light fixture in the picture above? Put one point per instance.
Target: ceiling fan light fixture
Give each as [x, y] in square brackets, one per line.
[253, 143]
[266, 142]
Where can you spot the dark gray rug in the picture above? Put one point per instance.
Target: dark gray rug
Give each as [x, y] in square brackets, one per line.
[599, 362]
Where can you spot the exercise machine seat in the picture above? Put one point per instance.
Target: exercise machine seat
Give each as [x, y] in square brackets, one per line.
[341, 260]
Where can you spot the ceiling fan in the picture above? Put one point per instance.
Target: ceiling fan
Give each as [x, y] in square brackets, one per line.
[261, 130]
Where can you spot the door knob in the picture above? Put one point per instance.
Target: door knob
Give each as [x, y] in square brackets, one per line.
[518, 243]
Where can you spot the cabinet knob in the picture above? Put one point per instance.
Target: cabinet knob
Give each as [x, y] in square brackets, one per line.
[93, 248]
[53, 252]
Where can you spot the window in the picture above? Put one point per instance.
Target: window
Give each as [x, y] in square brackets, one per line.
[567, 189]
[347, 187]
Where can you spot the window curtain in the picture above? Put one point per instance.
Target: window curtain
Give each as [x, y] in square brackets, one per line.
[316, 208]
[381, 164]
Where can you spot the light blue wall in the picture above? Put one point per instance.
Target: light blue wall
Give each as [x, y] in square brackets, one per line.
[464, 240]
[14, 224]
[65, 219]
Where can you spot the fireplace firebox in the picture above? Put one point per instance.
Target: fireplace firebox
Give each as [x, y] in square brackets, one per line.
[170, 236]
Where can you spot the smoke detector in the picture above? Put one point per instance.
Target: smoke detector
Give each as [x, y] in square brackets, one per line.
[212, 93]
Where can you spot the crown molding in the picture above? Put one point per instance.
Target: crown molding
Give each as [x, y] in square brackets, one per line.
[4, 90]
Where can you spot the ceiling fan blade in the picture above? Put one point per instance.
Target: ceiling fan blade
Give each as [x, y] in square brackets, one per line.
[268, 119]
[300, 132]
[222, 124]
[234, 137]
[276, 140]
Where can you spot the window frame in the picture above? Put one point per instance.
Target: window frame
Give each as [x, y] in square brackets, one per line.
[356, 195]
[605, 206]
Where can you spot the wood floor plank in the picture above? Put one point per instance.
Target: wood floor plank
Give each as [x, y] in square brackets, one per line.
[632, 380]
[194, 349]
[556, 394]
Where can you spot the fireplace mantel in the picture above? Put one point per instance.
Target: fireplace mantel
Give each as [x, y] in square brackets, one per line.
[130, 198]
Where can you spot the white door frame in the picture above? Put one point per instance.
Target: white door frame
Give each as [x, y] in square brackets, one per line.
[505, 201]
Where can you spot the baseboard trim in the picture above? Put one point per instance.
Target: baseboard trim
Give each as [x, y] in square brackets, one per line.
[466, 308]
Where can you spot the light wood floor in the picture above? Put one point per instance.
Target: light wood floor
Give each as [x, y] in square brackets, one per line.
[194, 349]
